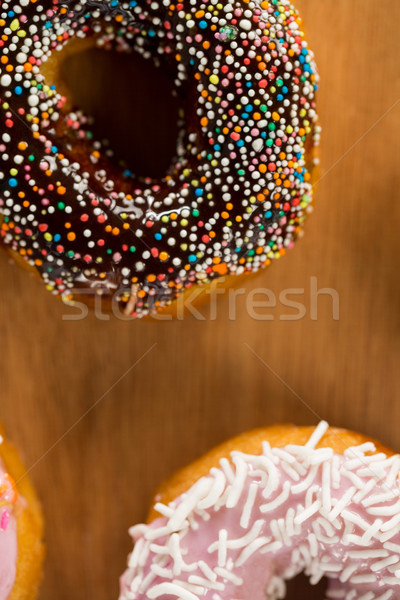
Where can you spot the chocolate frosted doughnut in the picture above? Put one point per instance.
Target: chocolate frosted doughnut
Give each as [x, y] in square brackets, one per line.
[235, 197]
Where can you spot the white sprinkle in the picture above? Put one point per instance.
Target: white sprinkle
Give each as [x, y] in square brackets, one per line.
[330, 567]
[227, 469]
[317, 434]
[348, 572]
[6, 80]
[153, 534]
[313, 545]
[364, 578]
[321, 455]
[298, 451]
[371, 531]
[248, 506]
[307, 512]
[382, 564]
[216, 490]
[391, 580]
[273, 547]
[250, 549]
[146, 582]
[267, 465]
[134, 557]
[336, 472]
[393, 509]
[290, 526]
[207, 571]
[304, 551]
[391, 546]
[245, 24]
[394, 471]
[222, 549]
[249, 537]
[355, 480]
[224, 573]
[175, 551]
[321, 522]
[166, 511]
[283, 455]
[21, 57]
[391, 524]
[278, 531]
[285, 537]
[342, 503]
[312, 491]
[365, 491]
[326, 486]
[157, 549]
[136, 531]
[258, 144]
[283, 496]
[360, 450]
[307, 481]
[213, 585]
[355, 518]
[33, 100]
[238, 482]
[359, 554]
[161, 571]
[292, 472]
[172, 589]
[199, 490]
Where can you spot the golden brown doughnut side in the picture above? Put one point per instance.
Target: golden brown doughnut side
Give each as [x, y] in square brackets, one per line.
[251, 443]
[29, 528]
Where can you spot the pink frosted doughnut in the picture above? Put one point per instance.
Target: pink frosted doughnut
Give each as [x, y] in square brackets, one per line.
[266, 506]
[21, 529]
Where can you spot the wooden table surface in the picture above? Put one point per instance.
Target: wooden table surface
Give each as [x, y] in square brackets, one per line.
[102, 410]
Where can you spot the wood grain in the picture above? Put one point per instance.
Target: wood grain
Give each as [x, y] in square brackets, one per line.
[102, 422]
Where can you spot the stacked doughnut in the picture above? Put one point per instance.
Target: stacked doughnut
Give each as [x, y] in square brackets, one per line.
[21, 529]
[239, 189]
[267, 505]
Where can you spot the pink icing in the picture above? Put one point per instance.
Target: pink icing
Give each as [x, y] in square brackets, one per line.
[8, 546]
[256, 521]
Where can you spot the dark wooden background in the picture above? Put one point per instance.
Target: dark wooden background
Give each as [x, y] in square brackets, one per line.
[167, 391]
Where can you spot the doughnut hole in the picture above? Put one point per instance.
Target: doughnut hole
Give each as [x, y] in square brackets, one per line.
[130, 101]
[299, 588]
